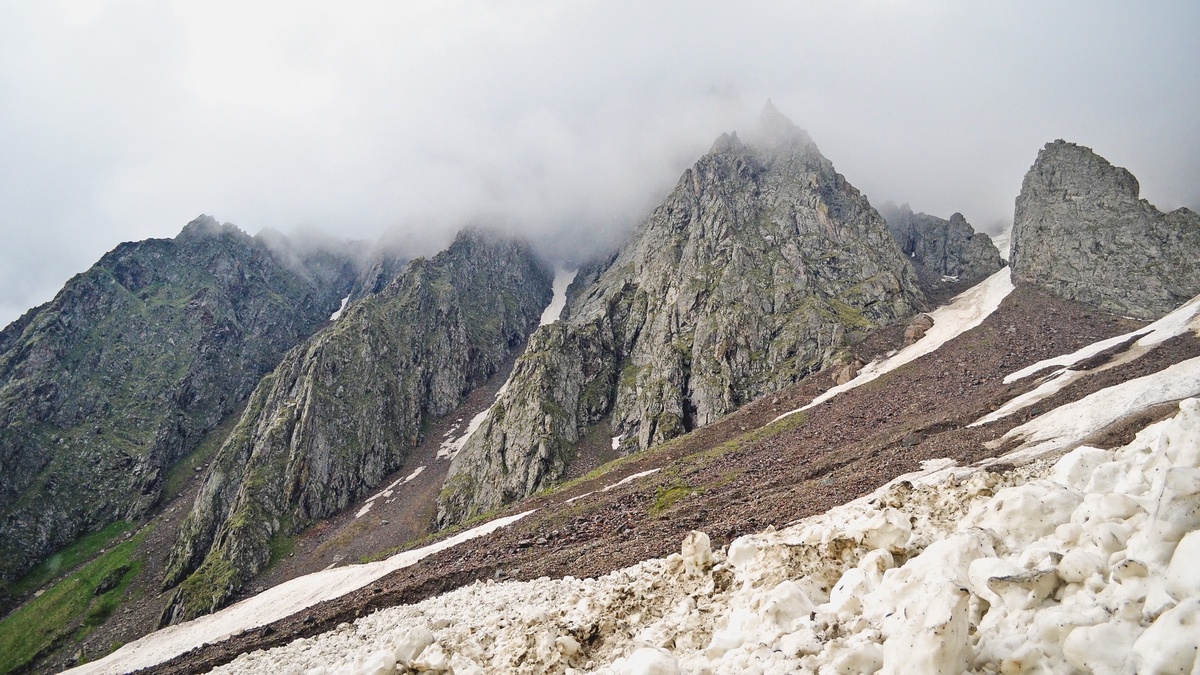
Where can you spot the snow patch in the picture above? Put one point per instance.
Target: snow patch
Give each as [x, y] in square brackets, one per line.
[388, 491]
[562, 280]
[1071, 423]
[966, 311]
[449, 448]
[338, 314]
[628, 479]
[1178, 322]
[271, 605]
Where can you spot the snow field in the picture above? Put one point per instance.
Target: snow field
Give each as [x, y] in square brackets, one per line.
[1084, 565]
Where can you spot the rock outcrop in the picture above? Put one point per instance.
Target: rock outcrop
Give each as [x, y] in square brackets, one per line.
[945, 253]
[1081, 232]
[750, 275]
[132, 363]
[343, 410]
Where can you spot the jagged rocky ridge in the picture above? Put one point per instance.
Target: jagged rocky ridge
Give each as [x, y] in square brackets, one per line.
[945, 253]
[132, 363]
[1081, 232]
[749, 276]
[343, 411]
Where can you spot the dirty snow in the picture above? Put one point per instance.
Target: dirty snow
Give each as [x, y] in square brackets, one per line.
[1083, 565]
[270, 605]
[338, 314]
[562, 279]
[966, 311]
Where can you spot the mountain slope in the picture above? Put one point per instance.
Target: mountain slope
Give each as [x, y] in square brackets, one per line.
[751, 274]
[343, 410]
[121, 374]
[1081, 232]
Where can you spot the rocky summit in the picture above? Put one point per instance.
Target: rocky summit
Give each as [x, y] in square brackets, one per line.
[754, 272]
[947, 254]
[131, 364]
[1081, 232]
[343, 410]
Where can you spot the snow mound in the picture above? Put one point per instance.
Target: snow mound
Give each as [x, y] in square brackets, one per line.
[1087, 564]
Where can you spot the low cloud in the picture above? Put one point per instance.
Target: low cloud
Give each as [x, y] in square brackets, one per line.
[568, 121]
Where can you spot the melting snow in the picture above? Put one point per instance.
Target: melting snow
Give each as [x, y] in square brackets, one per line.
[562, 279]
[271, 605]
[338, 314]
[966, 311]
[1084, 565]
[1183, 320]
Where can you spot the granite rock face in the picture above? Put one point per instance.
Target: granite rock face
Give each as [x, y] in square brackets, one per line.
[944, 252]
[132, 363]
[343, 410]
[750, 275]
[1081, 232]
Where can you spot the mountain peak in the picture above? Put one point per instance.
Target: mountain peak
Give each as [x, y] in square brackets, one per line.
[776, 129]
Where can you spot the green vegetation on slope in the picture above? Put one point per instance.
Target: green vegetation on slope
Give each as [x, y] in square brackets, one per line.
[69, 609]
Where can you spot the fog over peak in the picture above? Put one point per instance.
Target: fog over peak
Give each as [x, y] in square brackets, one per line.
[124, 119]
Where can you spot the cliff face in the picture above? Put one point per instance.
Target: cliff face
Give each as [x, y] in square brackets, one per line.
[102, 388]
[943, 252]
[343, 410]
[1081, 232]
[749, 276]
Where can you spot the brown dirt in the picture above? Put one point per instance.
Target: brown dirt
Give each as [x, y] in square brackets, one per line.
[729, 480]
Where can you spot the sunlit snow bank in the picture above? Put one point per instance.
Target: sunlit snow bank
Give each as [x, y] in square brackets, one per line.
[966, 311]
[1086, 565]
[562, 279]
[270, 605]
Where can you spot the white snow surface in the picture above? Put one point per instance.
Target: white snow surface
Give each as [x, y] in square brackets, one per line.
[338, 313]
[966, 311]
[1072, 423]
[1183, 320]
[1003, 242]
[629, 479]
[270, 605]
[449, 448]
[562, 279]
[1083, 565]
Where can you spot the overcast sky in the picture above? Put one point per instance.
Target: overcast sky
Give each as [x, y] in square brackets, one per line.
[124, 120]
